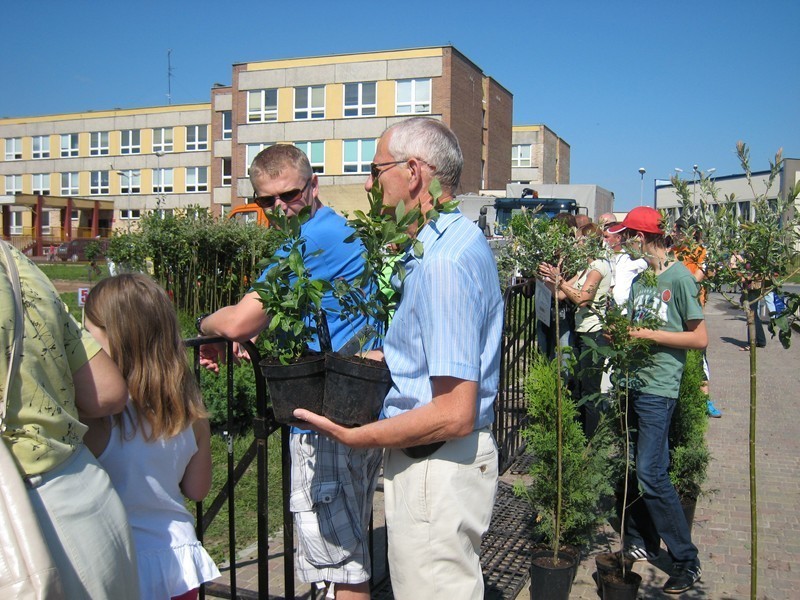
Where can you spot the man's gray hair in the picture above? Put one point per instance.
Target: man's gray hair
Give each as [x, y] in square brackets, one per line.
[431, 141]
[274, 159]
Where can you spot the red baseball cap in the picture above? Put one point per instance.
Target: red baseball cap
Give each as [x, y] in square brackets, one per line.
[641, 218]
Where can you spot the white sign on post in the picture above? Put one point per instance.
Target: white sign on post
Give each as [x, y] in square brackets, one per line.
[82, 293]
[543, 300]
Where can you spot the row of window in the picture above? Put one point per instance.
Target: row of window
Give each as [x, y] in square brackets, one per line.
[412, 96]
[130, 182]
[130, 143]
[357, 155]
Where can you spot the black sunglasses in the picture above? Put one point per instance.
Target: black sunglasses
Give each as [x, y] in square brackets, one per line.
[289, 197]
[375, 171]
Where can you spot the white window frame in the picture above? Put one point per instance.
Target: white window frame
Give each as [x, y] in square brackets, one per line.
[361, 108]
[41, 184]
[98, 146]
[130, 141]
[362, 163]
[227, 172]
[163, 181]
[227, 124]
[251, 151]
[132, 179]
[70, 183]
[196, 138]
[518, 158]
[133, 214]
[163, 139]
[70, 145]
[40, 147]
[196, 179]
[309, 148]
[415, 105]
[98, 183]
[304, 107]
[15, 225]
[13, 184]
[258, 109]
[14, 148]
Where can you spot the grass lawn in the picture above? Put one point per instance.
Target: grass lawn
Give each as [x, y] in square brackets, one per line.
[73, 271]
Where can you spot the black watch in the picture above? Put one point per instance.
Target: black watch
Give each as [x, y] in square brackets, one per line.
[199, 322]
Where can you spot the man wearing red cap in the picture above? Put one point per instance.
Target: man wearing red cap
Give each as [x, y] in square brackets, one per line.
[657, 515]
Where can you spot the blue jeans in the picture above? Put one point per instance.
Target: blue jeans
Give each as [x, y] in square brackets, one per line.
[656, 514]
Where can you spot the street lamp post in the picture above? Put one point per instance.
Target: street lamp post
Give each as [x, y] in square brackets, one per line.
[642, 171]
[129, 177]
[694, 184]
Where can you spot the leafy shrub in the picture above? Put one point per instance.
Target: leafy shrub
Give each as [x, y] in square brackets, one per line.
[586, 465]
[689, 456]
[214, 388]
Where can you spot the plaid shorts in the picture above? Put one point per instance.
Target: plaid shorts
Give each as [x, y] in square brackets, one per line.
[331, 500]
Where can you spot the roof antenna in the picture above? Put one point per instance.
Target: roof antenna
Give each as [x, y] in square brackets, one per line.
[169, 76]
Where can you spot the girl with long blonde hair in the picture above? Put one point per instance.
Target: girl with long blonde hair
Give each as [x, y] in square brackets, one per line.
[158, 449]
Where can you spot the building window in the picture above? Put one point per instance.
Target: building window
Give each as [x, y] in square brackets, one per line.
[359, 99]
[41, 183]
[14, 148]
[69, 184]
[162, 139]
[413, 96]
[251, 152]
[98, 182]
[520, 155]
[130, 214]
[162, 180]
[315, 151]
[743, 208]
[99, 143]
[262, 106]
[13, 184]
[357, 155]
[41, 146]
[197, 179]
[130, 182]
[131, 142]
[226, 172]
[309, 102]
[227, 125]
[196, 138]
[69, 144]
[16, 222]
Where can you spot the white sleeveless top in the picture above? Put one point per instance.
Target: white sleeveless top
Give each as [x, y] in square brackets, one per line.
[147, 478]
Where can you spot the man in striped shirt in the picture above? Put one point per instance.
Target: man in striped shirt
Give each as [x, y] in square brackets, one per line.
[443, 350]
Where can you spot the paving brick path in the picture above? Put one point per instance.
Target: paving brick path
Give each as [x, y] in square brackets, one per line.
[722, 522]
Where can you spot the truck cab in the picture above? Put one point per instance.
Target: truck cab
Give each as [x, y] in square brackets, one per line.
[249, 213]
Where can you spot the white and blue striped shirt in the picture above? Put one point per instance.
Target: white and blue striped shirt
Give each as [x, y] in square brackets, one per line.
[449, 320]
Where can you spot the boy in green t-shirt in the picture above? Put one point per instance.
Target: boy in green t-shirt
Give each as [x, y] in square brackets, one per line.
[657, 515]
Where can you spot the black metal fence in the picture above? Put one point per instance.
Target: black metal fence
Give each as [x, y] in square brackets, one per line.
[510, 415]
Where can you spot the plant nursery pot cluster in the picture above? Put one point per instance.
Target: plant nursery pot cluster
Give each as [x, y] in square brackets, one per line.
[347, 390]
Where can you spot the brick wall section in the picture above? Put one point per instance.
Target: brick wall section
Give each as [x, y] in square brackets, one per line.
[239, 117]
[500, 108]
[465, 114]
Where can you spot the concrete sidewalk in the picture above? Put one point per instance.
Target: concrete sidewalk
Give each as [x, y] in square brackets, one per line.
[722, 523]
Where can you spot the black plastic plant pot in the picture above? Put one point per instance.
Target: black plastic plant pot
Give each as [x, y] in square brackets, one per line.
[300, 384]
[354, 389]
[551, 580]
[608, 563]
[615, 587]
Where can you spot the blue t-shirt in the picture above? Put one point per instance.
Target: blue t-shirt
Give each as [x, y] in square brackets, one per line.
[327, 231]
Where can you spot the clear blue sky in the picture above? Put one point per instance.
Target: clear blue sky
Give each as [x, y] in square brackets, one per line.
[627, 84]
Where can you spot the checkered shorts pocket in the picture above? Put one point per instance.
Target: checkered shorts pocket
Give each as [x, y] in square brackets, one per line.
[325, 527]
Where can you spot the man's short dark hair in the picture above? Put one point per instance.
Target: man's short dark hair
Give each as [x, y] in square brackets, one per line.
[274, 159]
